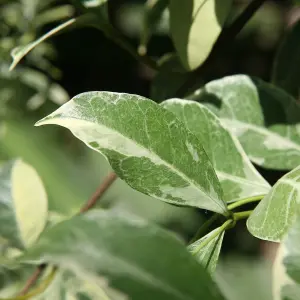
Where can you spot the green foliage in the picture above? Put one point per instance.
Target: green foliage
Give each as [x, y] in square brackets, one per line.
[187, 22]
[239, 179]
[20, 190]
[275, 213]
[270, 137]
[159, 265]
[208, 253]
[172, 159]
[153, 160]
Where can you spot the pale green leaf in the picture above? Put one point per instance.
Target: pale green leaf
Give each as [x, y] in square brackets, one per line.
[286, 70]
[280, 278]
[147, 146]
[274, 215]
[154, 10]
[292, 257]
[270, 137]
[208, 255]
[239, 179]
[140, 260]
[23, 203]
[195, 25]
[291, 261]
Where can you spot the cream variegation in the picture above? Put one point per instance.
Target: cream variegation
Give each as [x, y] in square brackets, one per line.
[146, 145]
[239, 179]
[23, 204]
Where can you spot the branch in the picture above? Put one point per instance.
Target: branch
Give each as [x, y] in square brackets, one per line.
[33, 279]
[103, 187]
[226, 38]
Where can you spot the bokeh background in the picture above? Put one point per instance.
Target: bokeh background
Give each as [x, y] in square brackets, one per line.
[84, 59]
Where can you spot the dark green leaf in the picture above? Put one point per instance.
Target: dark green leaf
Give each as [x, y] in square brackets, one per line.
[286, 70]
[169, 77]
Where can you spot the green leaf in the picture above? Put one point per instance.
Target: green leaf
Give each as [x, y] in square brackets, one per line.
[292, 257]
[19, 52]
[154, 10]
[291, 291]
[286, 70]
[54, 14]
[146, 145]
[169, 77]
[38, 151]
[138, 259]
[280, 279]
[270, 137]
[23, 204]
[195, 25]
[208, 255]
[274, 215]
[239, 179]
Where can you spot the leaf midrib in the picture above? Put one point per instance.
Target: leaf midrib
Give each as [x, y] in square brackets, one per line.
[263, 131]
[175, 170]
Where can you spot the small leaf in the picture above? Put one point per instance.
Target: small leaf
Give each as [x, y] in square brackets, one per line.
[239, 179]
[140, 260]
[286, 70]
[208, 255]
[23, 204]
[195, 25]
[154, 10]
[19, 52]
[270, 137]
[54, 14]
[274, 215]
[146, 145]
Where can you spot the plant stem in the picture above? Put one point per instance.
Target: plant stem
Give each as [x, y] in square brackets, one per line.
[242, 215]
[226, 38]
[104, 186]
[218, 231]
[33, 278]
[203, 229]
[245, 201]
[41, 288]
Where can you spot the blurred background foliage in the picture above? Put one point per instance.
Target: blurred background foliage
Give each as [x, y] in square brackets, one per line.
[84, 60]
